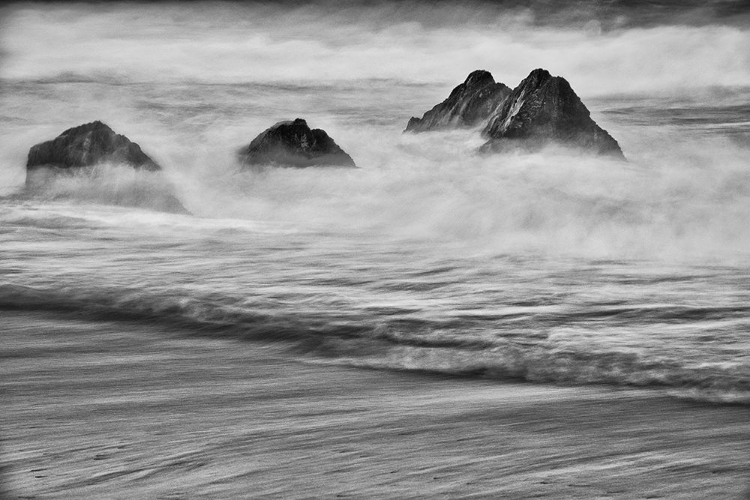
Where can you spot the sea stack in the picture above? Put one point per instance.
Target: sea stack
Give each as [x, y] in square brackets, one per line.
[468, 105]
[79, 150]
[294, 144]
[88, 145]
[544, 109]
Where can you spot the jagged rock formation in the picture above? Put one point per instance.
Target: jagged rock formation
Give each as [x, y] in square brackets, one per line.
[468, 105]
[88, 145]
[544, 109]
[78, 151]
[294, 144]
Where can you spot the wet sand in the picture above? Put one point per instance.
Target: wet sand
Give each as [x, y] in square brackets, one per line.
[127, 410]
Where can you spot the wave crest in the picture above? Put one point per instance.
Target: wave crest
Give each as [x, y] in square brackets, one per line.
[392, 345]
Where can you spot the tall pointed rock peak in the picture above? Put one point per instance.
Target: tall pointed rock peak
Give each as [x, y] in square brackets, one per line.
[479, 77]
[544, 109]
[468, 105]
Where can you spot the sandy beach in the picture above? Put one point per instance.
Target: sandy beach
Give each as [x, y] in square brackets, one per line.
[127, 410]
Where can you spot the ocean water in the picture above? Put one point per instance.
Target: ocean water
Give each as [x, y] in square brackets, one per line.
[546, 268]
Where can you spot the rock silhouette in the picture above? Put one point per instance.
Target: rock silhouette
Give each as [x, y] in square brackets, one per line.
[88, 145]
[468, 105]
[294, 144]
[544, 109]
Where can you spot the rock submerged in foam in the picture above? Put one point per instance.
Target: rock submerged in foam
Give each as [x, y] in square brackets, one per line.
[468, 105]
[89, 145]
[543, 109]
[294, 144]
[78, 151]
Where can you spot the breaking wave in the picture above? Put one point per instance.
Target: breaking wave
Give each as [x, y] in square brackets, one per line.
[396, 339]
[107, 184]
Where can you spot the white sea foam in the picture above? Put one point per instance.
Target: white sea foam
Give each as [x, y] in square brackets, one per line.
[681, 193]
[549, 266]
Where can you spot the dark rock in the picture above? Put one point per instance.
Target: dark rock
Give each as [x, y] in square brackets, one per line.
[544, 109]
[293, 144]
[88, 145]
[78, 151]
[468, 105]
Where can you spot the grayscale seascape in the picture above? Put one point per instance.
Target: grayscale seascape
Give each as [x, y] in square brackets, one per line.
[432, 324]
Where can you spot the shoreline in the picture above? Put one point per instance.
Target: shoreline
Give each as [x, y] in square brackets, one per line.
[122, 410]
